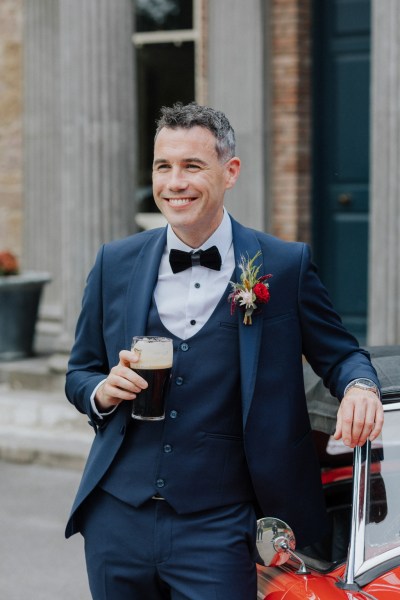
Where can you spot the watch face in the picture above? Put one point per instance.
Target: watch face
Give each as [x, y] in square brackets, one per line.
[365, 383]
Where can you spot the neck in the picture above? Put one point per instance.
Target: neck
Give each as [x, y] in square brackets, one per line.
[195, 238]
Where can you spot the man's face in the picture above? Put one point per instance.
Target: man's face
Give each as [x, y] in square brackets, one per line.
[189, 182]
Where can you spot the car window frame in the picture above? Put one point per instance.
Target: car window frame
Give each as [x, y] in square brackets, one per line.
[357, 564]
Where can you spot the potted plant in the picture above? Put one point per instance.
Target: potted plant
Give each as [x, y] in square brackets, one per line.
[20, 294]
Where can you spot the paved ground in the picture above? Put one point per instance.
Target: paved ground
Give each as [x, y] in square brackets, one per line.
[36, 562]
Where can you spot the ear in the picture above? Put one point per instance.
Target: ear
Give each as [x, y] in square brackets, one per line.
[232, 170]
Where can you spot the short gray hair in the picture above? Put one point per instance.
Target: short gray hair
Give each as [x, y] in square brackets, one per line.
[191, 115]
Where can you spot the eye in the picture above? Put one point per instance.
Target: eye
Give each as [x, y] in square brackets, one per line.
[162, 167]
[193, 167]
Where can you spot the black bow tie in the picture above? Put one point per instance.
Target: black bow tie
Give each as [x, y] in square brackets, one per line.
[180, 260]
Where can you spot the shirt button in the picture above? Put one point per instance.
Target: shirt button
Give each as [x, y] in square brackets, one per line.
[184, 346]
[167, 448]
[160, 483]
[197, 285]
[179, 380]
[173, 414]
[193, 322]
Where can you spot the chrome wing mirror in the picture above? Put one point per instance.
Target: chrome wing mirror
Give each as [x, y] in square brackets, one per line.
[276, 543]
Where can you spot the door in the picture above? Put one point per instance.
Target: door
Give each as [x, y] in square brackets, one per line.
[341, 154]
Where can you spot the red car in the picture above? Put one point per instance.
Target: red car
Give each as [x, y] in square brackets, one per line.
[362, 559]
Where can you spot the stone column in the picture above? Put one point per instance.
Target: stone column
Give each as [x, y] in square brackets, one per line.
[10, 125]
[42, 160]
[97, 133]
[384, 272]
[80, 146]
[236, 86]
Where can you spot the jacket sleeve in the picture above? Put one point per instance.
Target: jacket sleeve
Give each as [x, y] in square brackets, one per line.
[88, 363]
[331, 350]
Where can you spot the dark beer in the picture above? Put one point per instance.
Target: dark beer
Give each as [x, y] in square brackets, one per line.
[149, 403]
[154, 364]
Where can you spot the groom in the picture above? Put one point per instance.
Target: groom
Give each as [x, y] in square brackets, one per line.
[168, 508]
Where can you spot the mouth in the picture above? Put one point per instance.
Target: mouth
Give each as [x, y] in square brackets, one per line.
[179, 201]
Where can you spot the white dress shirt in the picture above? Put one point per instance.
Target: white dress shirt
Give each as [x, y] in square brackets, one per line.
[186, 300]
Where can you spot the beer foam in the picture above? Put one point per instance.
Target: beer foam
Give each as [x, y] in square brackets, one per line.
[152, 355]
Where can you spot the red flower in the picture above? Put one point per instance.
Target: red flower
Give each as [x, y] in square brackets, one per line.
[8, 263]
[262, 292]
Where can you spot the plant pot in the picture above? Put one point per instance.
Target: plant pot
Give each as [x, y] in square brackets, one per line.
[19, 307]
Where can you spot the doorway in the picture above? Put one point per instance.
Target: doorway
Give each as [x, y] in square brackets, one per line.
[341, 154]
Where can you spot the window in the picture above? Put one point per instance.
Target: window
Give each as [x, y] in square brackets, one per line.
[169, 68]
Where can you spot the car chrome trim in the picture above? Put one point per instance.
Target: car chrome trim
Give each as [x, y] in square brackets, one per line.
[392, 406]
[357, 534]
[357, 564]
[376, 561]
[377, 571]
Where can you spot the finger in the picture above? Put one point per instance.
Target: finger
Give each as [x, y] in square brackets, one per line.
[338, 430]
[347, 416]
[127, 380]
[379, 419]
[116, 389]
[126, 357]
[126, 372]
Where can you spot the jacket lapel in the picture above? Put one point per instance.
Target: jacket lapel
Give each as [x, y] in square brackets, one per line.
[246, 244]
[141, 286]
[144, 278]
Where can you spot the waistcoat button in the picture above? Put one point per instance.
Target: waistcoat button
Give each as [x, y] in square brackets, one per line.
[160, 483]
[184, 346]
[173, 414]
[179, 380]
[167, 448]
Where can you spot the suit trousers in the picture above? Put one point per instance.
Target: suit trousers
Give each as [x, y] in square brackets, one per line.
[153, 553]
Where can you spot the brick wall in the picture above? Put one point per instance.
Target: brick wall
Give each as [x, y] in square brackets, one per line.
[290, 30]
[11, 125]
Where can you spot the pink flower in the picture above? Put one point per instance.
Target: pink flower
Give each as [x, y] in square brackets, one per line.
[246, 298]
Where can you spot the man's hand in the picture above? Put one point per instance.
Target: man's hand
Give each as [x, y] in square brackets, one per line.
[121, 384]
[359, 418]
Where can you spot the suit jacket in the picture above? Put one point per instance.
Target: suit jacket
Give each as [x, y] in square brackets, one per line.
[298, 320]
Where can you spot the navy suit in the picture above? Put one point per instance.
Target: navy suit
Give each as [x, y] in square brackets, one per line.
[298, 319]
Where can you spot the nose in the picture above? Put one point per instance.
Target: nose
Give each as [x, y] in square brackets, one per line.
[177, 180]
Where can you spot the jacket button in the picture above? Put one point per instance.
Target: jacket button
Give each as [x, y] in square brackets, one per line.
[160, 483]
[173, 414]
[167, 448]
[184, 347]
[179, 380]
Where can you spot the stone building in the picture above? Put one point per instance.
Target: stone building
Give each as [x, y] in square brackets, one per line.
[310, 86]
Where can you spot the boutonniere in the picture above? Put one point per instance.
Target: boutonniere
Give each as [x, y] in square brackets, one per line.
[251, 291]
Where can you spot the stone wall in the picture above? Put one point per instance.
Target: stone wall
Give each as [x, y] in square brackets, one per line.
[11, 125]
[290, 72]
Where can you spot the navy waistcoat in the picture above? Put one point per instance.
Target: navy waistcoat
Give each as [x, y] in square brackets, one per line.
[195, 457]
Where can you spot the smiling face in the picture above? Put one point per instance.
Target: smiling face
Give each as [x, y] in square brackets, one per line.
[189, 182]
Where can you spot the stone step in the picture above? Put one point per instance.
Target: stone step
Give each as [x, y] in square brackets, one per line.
[43, 427]
[36, 373]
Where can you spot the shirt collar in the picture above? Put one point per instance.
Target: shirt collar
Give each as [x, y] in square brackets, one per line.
[222, 238]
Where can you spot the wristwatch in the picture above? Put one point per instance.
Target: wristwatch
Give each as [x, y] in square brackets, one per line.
[364, 384]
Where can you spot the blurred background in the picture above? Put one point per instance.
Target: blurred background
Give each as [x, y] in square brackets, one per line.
[311, 88]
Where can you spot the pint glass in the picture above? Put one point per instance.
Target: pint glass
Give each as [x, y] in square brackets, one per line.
[154, 365]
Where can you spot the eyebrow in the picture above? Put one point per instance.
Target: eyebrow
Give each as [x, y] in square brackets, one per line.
[159, 161]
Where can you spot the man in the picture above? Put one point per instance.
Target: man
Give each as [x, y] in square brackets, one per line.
[168, 509]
